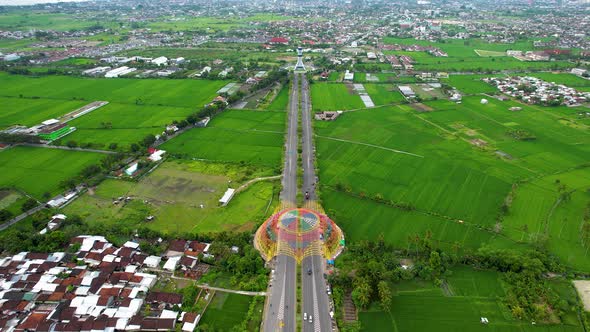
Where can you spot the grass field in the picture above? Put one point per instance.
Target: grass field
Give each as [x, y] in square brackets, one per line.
[333, 97]
[225, 311]
[40, 170]
[12, 201]
[384, 94]
[254, 137]
[471, 294]
[29, 112]
[173, 194]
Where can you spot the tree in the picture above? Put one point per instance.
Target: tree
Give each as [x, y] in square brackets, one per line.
[148, 140]
[29, 204]
[435, 263]
[384, 295]
[5, 215]
[72, 144]
[113, 146]
[134, 147]
[361, 294]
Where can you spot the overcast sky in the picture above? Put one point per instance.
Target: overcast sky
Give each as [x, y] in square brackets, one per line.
[30, 2]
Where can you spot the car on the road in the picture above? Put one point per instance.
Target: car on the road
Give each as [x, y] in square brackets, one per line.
[307, 195]
[309, 271]
[304, 316]
[310, 319]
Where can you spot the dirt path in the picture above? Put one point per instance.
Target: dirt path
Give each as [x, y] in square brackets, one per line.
[247, 184]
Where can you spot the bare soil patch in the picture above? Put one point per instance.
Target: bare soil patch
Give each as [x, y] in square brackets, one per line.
[422, 108]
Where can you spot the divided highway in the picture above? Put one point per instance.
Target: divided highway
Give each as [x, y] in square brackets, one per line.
[281, 308]
[314, 287]
[279, 314]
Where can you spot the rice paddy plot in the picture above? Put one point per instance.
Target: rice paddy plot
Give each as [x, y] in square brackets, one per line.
[225, 311]
[484, 53]
[421, 306]
[40, 170]
[29, 112]
[281, 101]
[384, 94]
[471, 84]
[334, 97]
[180, 93]
[557, 144]
[254, 137]
[445, 177]
[571, 80]
[540, 210]
[363, 219]
[124, 124]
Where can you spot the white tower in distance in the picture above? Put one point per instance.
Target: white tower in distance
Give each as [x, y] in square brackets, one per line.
[299, 65]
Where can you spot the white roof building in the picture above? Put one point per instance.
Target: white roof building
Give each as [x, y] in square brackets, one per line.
[172, 263]
[119, 72]
[407, 91]
[157, 155]
[160, 60]
[152, 261]
[229, 193]
[348, 76]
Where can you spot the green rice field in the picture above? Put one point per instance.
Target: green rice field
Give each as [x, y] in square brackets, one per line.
[180, 93]
[469, 295]
[40, 170]
[384, 94]
[123, 124]
[281, 101]
[137, 107]
[456, 164]
[225, 311]
[570, 80]
[253, 137]
[462, 56]
[334, 97]
[470, 84]
[29, 112]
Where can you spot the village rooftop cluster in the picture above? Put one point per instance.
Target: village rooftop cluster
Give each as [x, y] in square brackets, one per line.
[95, 286]
[536, 91]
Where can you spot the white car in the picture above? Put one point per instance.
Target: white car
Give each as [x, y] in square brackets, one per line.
[310, 318]
[304, 316]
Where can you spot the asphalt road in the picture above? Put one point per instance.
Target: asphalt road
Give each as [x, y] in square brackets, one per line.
[315, 298]
[280, 312]
[289, 193]
[315, 295]
[279, 315]
[308, 149]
